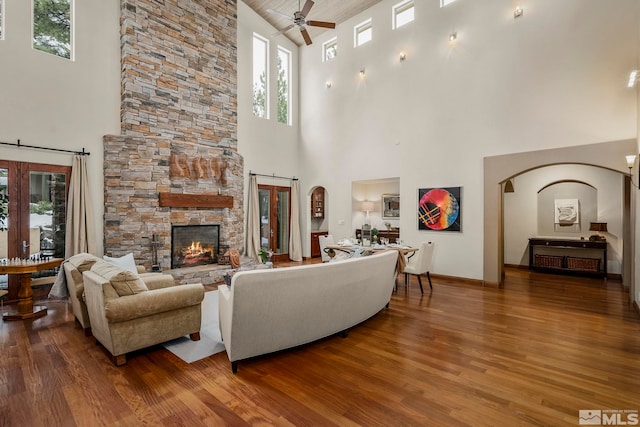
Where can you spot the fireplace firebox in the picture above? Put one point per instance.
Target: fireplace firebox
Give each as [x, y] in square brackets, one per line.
[193, 245]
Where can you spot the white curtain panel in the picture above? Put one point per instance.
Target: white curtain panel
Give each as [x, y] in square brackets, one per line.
[80, 231]
[253, 220]
[295, 241]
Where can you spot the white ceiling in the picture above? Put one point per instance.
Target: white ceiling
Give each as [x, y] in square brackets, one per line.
[336, 11]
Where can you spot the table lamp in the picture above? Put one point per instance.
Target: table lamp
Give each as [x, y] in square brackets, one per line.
[597, 227]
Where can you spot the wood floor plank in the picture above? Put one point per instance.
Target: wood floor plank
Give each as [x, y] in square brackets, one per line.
[531, 354]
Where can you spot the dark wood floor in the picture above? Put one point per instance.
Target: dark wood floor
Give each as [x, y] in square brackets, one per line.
[534, 353]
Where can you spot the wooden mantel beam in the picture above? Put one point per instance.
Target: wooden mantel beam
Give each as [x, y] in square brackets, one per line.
[175, 200]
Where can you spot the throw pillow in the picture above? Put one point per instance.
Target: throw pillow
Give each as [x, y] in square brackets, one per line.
[83, 261]
[123, 281]
[126, 263]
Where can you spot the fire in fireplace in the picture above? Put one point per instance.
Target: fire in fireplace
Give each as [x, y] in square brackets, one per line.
[193, 245]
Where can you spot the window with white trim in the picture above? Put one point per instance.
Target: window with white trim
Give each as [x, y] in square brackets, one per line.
[53, 27]
[330, 49]
[260, 76]
[284, 86]
[402, 13]
[362, 33]
[443, 3]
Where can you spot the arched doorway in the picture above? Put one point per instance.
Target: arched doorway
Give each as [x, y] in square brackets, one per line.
[498, 169]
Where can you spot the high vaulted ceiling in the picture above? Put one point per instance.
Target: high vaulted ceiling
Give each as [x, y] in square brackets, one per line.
[336, 11]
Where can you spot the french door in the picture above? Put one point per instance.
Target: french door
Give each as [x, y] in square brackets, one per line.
[275, 214]
[36, 220]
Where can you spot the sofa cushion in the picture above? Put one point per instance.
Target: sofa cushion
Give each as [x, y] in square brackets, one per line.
[123, 281]
[126, 262]
[83, 261]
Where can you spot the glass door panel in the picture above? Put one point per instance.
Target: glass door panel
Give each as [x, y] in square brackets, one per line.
[47, 213]
[274, 220]
[264, 195]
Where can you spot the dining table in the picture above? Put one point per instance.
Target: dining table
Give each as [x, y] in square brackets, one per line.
[355, 248]
[23, 269]
[358, 250]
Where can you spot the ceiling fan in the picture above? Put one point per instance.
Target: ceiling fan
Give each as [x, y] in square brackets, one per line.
[299, 19]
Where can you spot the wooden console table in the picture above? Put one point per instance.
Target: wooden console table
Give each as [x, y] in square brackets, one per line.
[26, 309]
[568, 256]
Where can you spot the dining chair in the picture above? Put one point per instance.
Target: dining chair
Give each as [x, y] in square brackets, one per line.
[420, 264]
[324, 241]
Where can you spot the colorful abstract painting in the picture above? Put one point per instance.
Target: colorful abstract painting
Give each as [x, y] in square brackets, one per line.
[439, 209]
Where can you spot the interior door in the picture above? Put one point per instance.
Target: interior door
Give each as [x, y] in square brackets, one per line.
[36, 220]
[275, 214]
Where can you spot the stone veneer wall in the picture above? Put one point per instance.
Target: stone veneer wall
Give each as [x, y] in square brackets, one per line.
[179, 96]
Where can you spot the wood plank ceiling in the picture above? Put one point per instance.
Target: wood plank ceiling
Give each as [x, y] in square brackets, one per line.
[336, 11]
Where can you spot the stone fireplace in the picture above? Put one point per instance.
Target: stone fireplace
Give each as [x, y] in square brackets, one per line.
[175, 163]
[193, 245]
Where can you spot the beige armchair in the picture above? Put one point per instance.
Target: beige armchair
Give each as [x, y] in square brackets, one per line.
[78, 264]
[127, 314]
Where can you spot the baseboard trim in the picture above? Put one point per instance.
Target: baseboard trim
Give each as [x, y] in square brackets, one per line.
[454, 279]
[518, 266]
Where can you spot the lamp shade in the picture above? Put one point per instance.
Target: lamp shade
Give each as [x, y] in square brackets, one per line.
[598, 226]
[367, 206]
[631, 160]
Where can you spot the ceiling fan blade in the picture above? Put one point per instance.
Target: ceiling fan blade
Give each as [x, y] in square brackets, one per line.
[322, 24]
[284, 30]
[283, 15]
[305, 36]
[307, 7]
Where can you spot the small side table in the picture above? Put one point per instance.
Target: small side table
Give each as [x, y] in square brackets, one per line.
[26, 309]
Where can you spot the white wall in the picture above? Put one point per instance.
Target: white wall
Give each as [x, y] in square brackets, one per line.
[554, 77]
[49, 101]
[268, 147]
[521, 210]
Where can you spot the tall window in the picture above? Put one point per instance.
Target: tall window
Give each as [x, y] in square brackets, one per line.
[52, 27]
[362, 33]
[330, 49]
[284, 86]
[260, 76]
[1, 19]
[402, 13]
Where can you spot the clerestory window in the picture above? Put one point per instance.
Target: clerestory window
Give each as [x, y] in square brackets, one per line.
[402, 13]
[362, 33]
[330, 49]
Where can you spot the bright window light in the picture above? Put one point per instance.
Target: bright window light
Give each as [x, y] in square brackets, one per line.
[284, 86]
[402, 13]
[362, 33]
[330, 49]
[1, 19]
[53, 27]
[260, 76]
[443, 3]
